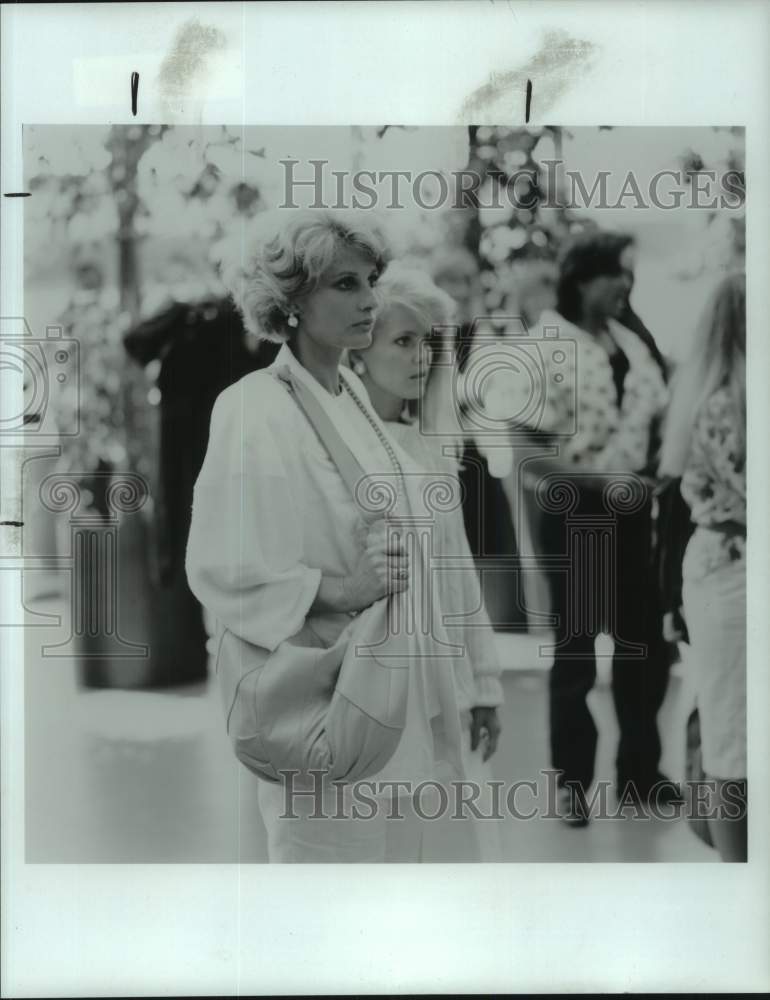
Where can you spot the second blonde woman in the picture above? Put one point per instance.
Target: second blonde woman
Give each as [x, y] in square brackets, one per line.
[413, 397]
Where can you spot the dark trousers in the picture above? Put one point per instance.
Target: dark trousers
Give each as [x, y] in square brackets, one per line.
[491, 535]
[610, 586]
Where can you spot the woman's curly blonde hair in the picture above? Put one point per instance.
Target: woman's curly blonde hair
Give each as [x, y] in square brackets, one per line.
[415, 290]
[283, 254]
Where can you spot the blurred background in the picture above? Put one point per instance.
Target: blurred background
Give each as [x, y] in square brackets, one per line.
[127, 757]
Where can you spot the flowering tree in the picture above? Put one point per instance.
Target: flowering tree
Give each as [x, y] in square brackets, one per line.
[126, 219]
[514, 233]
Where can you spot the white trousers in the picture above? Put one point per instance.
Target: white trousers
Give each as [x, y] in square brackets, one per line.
[714, 599]
[333, 835]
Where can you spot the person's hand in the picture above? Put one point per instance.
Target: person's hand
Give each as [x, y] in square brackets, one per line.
[485, 726]
[675, 627]
[651, 484]
[382, 568]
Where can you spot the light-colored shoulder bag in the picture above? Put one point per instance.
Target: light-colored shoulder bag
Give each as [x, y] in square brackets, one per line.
[339, 709]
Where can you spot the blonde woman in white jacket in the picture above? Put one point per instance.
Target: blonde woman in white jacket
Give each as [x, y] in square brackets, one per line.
[276, 543]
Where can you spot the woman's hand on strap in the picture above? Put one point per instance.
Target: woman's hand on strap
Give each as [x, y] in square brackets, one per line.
[382, 568]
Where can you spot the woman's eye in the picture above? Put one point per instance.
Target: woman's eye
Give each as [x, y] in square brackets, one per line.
[346, 283]
[403, 341]
[373, 279]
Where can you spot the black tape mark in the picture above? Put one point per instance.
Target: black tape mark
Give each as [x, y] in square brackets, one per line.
[16, 194]
[13, 524]
[529, 101]
[134, 91]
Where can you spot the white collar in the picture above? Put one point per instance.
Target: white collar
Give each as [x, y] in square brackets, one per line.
[371, 460]
[286, 356]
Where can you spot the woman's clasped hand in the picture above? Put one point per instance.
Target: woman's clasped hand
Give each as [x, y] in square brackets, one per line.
[382, 568]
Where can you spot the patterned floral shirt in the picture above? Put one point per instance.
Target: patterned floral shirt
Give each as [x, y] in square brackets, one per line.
[565, 386]
[714, 478]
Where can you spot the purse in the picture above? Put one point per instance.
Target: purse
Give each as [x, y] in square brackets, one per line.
[308, 706]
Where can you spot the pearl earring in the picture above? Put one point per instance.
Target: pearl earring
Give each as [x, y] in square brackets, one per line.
[358, 366]
[292, 321]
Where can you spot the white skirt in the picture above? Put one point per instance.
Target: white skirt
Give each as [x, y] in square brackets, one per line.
[714, 598]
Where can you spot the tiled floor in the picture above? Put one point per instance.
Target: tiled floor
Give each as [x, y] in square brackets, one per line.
[116, 776]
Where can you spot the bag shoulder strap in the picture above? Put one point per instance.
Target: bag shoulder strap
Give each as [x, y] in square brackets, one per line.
[347, 464]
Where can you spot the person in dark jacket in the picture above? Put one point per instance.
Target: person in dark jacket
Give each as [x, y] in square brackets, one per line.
[202, 348]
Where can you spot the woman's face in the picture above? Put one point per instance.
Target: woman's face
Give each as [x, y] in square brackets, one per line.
[340, 313]
[399, 358]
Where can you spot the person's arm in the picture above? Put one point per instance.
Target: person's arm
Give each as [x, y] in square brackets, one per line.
[477, 638]
[716, 439]
[672, 532]
[334, 594]
[244, 552]
[541, 465]
[382, 568]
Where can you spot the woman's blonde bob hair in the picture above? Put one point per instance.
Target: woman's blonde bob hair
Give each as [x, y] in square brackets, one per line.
[283, 254]
[414, 290]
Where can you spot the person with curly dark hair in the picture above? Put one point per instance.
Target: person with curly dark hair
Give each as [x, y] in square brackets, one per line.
[600, 399]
